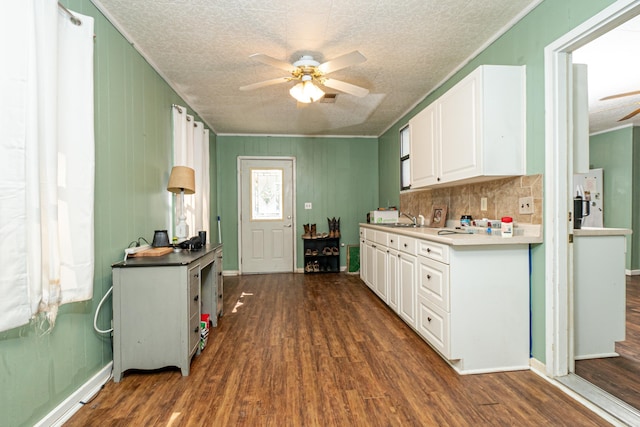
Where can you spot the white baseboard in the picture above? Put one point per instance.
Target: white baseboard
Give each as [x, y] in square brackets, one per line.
[537, 366]
[632, 272]
[230, 273]
[65, 410]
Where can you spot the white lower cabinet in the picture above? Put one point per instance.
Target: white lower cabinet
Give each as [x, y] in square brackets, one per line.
[393, 261]
[470, 303]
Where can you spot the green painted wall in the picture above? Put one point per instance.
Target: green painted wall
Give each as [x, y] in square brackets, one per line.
[339, 176]
[522, 45]
[618, 153]
[613, 151]
[133, 159]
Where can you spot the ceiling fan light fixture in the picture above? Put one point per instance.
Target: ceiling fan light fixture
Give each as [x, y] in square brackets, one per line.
[306, 92]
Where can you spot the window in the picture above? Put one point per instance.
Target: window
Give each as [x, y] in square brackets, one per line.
[405, 165]
[266, 194]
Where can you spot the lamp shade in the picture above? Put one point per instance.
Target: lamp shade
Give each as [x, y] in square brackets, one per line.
[306, 92]
[182, 178]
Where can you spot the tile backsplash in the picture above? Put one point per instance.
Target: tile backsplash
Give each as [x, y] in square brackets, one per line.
[502, 199]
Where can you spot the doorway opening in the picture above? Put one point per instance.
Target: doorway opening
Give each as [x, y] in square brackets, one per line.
[558, 193]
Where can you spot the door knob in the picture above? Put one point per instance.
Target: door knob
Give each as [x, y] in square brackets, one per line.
[288, 225]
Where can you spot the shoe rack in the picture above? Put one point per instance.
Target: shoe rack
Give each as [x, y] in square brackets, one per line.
[322, 255]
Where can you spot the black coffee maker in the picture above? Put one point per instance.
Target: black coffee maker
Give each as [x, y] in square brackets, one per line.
[581, 209]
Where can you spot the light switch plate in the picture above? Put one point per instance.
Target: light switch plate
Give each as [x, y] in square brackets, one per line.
[525, 205]
[307, 205]
[483, 203]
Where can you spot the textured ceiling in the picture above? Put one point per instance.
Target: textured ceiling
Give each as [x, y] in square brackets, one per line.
[613, 67]
[202, 48]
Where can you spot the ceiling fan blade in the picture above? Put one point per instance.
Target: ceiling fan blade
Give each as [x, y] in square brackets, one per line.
[265, 59]
[341, 62]
[620, 95]
[266, 83]
[631, 114]
[346, 87]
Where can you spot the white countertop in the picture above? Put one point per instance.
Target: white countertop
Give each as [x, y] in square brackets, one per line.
[592, 231]
[458, 237]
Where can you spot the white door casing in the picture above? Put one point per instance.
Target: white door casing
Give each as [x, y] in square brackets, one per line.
[558, 169]
[266, 223]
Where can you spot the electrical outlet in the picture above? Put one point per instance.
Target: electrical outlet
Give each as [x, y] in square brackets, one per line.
[483, 203]
[307, 205]
[525, 205]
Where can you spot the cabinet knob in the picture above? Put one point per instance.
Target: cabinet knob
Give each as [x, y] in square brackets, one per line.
[373, 246]
[429, 250]
[196, 298]
[405, 245]
[196, 275]
[428, 277]
[196, 329]
[428, 319]
[391, 240]
[438, 179]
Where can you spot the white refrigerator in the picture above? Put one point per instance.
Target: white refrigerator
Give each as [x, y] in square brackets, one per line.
[591, 185]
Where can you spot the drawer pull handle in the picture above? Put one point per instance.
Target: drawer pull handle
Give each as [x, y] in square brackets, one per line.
[196, 275]
[429, 319]
[196, 298]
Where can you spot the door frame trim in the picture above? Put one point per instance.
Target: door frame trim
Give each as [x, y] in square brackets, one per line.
[294, 245]
[558, 164]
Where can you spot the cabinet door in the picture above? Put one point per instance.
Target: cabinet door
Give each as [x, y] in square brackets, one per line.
[424, 148]
[406, 281]
[392, 278]
[381, 272]
[363, 258]
[459, 136]
[370, 266]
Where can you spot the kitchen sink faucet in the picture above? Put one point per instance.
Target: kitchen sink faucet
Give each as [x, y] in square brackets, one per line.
[412, 218]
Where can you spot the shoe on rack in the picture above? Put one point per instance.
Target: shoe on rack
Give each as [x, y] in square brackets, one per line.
[314, 252]
[307, 252]
[309, 267]
[336, 228]
[313, 231]
[316, 266]
[326, 250]
[335, 251]
[307, 232]
[331, 229]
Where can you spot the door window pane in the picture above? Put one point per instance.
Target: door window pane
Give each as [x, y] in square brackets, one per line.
[266, 194]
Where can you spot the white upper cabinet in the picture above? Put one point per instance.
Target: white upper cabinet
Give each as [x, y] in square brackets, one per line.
[475, 131]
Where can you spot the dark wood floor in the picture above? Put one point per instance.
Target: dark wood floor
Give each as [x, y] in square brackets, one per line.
[322, 350]
[620, 376]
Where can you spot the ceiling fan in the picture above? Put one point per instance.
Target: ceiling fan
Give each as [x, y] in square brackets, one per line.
[309, 73]
[622, 95]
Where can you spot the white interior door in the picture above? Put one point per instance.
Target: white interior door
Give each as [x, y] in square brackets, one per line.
[266, 220]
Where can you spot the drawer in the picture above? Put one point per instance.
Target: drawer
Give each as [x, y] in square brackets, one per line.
[194, 290]
[380, 237]
[433, 282]
[393, 241]
[434, 326]
[407, 244]
[433, 250]
[369, 234]
[194, 333]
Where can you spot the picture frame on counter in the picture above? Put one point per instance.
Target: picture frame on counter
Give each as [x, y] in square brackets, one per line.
[438, 216]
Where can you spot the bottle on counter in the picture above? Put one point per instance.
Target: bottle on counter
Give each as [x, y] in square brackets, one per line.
[507, 226]
[465, 220]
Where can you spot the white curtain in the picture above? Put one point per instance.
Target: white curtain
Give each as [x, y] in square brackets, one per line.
[191, 148]
[46, 161]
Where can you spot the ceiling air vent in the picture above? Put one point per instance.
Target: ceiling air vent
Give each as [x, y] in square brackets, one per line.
[329, 98]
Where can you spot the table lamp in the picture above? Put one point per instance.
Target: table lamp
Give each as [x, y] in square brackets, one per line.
[182, 181]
